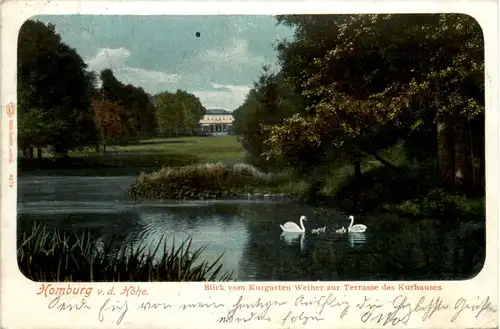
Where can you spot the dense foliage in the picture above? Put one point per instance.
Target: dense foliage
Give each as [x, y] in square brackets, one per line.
[178, 112]
[269, 102]
[376, 79]
[54, 92]
[136, 103]
[367, 82]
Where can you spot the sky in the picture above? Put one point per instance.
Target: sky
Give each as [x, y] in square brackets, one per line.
[162, 53]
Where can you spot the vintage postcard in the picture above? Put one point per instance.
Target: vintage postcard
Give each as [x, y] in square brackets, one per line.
[249, 165]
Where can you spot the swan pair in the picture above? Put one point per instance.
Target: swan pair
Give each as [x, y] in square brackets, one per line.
[292, 227]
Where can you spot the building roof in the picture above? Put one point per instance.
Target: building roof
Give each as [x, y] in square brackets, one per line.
[217, 111]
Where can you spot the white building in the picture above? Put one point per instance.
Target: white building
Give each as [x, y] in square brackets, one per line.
[217, 122]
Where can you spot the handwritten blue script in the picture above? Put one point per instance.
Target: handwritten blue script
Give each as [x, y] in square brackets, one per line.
[302, 310]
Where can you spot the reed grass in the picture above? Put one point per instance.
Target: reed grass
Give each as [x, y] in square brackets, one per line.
[51, 255]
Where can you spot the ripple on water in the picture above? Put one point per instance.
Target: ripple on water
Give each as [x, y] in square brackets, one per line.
[81, 207]
[73, 188]
[218, 233]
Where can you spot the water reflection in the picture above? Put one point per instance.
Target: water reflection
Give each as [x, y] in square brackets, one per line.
[291, 237]
[248, 233]
[219, 233]
[356, 238]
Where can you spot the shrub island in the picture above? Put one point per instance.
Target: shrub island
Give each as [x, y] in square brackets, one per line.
[206, 181]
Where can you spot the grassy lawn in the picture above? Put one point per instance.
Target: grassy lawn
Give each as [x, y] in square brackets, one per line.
[204, 148]
[143, 155]
[190, 149]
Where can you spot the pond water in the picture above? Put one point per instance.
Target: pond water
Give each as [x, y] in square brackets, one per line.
[248, 233]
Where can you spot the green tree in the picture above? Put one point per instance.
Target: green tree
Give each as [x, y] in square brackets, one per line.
[267, 104]
[54, 92]
[178, 112]
[191, 108]
[137, 103]
[168, 118]
[371, 80]
[142, 110]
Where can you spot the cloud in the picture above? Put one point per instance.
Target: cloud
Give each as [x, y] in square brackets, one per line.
[212, 95]
[228, 97]
[108, 58]
[157, 76]
[116, 59]
[234, 53]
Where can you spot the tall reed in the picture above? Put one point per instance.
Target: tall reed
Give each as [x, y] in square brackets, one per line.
[51, 255]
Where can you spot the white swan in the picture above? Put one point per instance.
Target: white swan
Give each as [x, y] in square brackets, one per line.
[292, 227]
[358, 228]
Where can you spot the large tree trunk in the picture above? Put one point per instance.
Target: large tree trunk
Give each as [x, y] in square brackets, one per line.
[357, 168]
[476, 137]
[473, 159]
[445, 151]
[357, 180]
[463, 160]
[479, 151]
[381, 160]
[313, 191]
[39, 153]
